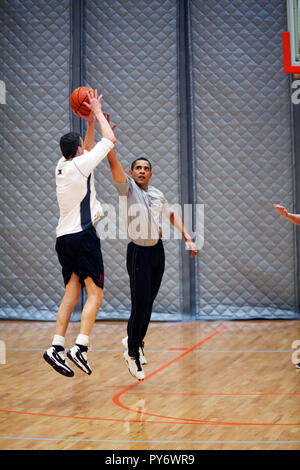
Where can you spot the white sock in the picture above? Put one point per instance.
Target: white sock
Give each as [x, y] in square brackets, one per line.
[82, 339]
[58, 341]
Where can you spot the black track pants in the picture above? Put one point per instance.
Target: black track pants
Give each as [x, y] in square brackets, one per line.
[145, 266]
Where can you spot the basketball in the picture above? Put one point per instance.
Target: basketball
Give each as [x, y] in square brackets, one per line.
[78, 99]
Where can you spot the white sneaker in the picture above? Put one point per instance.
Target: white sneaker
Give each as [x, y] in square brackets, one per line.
[143, 360]
[57, 360]
[134, 366]
[79, 358]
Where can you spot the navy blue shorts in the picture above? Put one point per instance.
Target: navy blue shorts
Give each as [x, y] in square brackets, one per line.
[80, 253]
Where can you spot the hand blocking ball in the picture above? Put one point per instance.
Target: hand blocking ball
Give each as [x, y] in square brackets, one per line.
[78, 99]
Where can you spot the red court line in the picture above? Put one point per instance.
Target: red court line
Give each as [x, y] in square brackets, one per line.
[180, 421]
[115, 419]
[216, 394]
[116, 398]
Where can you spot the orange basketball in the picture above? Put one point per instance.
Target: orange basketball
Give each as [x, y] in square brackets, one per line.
[78, 99]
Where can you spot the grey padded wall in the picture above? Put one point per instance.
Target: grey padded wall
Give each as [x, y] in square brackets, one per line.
[244, 159]
[131, 58]
[242, 148]
[35, 68]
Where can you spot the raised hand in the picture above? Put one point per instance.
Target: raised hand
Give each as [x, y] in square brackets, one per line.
[95, 102]
[190, 245]
[282, 210]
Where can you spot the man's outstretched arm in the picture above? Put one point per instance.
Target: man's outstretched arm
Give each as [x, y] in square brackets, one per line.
[95, 106]
[87, 162]
[89, 140]
[294, 218]
[178, 224]
[116, 168]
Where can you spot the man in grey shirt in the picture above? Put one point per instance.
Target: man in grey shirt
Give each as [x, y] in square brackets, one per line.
[143, 207]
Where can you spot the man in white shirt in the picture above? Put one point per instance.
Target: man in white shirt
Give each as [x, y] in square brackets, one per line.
[143, 207]
[77, 243]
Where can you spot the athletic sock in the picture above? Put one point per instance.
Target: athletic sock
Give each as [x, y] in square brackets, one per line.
[83, 342]
[58, 342]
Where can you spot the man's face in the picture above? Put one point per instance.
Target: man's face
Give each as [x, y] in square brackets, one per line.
[141, 173]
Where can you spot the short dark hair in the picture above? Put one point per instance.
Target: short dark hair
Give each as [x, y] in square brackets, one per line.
[69, 144]
[138, 159]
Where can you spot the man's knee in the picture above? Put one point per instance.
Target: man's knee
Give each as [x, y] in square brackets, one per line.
[94, 292]
[73, 289]
[96, 297]
[99, 295]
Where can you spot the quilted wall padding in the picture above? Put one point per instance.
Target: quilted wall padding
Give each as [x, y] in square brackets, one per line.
[131, 57]
[242, 148]
[35, 68]
[243, 160]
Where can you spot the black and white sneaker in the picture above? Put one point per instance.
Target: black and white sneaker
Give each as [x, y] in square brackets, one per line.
[57, 360]
[298, 365]
[143, 360]
[142, 355]
[134, 366]
[78, 355]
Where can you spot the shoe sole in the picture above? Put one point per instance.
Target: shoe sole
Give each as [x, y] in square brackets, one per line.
[78, 364]
[58, 368]
[131, 372]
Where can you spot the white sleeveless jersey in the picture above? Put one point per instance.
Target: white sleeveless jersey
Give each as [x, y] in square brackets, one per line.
[75, 190]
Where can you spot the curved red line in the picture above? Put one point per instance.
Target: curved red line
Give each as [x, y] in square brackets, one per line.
[258, 394]
[182, 420]
[116, 398]
[141, 420]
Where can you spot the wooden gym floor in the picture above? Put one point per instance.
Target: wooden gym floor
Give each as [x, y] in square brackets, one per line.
[209, 385]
